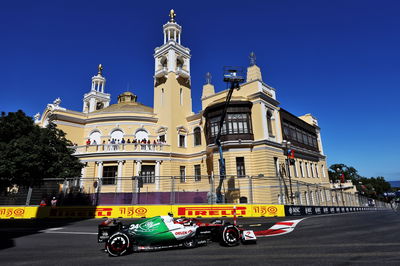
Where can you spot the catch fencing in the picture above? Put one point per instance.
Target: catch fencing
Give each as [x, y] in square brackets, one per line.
[147, 190]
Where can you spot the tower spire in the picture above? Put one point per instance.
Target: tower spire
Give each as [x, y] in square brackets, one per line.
[252, 58]
[100, 67]
[172, 16]
[96, 99]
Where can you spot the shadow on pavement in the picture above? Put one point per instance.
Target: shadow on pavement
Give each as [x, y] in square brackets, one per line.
[10, 229]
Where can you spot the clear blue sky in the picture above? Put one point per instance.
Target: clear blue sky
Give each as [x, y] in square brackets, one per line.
[338, 60]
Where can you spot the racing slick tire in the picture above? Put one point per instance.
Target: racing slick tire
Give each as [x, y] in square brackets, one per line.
[118, 244]
[230, 236]
[190, 243]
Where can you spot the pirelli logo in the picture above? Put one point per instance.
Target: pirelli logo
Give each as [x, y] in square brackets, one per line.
[211, 211]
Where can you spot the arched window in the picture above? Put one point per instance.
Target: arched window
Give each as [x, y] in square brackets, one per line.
[179, 62]
[197, 136]
[117, 135]
[95, 137]
[269, 123]
[162, 96]
[141, 134]
[164, 61]
[180, 97]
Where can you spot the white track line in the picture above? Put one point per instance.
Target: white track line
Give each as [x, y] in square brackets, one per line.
[55, 231]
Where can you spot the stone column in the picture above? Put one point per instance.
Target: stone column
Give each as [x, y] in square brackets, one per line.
[264, 121]
[119, 178]
[83, 173]
[157, 175]
[138, 168]
[99, 175]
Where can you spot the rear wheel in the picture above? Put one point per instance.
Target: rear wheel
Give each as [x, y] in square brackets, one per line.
[118, 244]
[230, 236]
[190, 243]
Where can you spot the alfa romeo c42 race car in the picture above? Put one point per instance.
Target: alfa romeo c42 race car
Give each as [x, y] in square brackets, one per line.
[162, 232]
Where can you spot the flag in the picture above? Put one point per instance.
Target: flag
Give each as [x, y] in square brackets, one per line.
[342, 178]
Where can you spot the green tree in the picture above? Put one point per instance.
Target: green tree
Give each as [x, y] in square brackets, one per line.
[370, 187]
[28, 153]
[350, 173]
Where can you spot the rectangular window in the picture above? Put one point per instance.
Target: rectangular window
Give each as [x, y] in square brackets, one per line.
[182, 174]
[240, 169]
[162, 138]
[214, 126]
[197, 172]
[237, 124]
[293, 133]
[181, 140]
[305, 138]
[197, 136]
[148, 174]
[109, 175]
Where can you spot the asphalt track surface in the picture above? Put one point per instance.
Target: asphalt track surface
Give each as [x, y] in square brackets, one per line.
[369, 238]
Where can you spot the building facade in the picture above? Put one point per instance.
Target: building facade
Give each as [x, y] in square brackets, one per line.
[121, 141]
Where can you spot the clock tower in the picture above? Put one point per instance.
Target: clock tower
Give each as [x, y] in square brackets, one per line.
[172, 91]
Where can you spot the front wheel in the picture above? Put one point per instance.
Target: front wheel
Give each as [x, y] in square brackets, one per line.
[118, 244]
[230, 236]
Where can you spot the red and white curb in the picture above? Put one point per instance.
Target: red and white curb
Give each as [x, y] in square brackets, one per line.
[279, 228]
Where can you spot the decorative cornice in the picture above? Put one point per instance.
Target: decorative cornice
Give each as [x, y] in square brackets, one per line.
[264, 97]
[101, 119]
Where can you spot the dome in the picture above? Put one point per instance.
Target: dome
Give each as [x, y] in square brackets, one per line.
[127, 97]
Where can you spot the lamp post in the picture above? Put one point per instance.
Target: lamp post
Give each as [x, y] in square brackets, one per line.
[339, 171]
[286, 145]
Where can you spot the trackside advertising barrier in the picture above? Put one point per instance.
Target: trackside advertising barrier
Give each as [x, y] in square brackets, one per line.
[18, 212]
[297, 210]
[142, 211]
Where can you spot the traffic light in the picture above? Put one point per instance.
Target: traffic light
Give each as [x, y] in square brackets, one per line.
[290, 154]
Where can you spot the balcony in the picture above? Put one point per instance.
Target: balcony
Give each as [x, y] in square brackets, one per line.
[182, 72]
[126, 147]
[161, 72]
[338, 185]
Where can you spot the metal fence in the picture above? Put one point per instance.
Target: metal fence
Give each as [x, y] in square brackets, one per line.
[184, 190]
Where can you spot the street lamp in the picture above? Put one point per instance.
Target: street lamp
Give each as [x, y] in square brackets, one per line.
[286, 145]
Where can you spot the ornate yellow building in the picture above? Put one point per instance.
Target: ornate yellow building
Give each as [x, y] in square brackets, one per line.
[120, 141]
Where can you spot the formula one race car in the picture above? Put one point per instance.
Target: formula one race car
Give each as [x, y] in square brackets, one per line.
[162, 232]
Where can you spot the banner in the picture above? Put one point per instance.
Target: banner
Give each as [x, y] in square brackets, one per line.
[143, 211]
[18, 212]
[246, 210]
[294, 210]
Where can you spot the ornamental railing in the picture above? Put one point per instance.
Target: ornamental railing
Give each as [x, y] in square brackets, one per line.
[126, 147]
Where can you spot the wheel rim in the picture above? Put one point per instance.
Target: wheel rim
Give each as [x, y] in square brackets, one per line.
[231, 235]
[118, 245]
